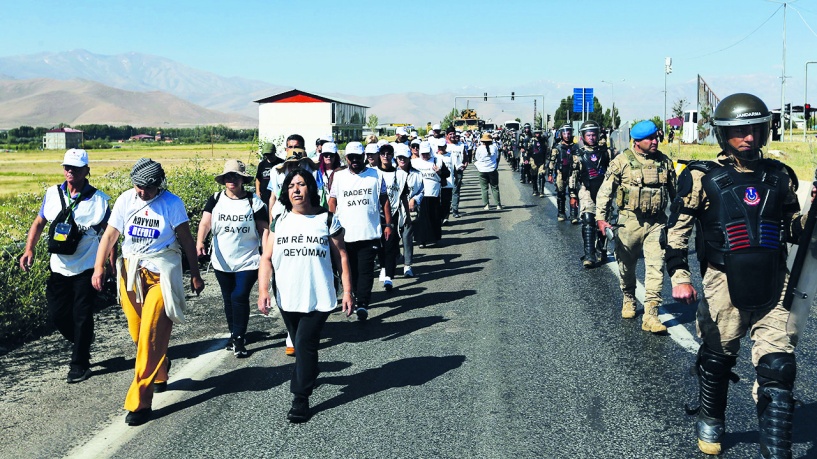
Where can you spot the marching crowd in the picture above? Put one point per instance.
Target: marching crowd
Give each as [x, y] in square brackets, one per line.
[316, 225]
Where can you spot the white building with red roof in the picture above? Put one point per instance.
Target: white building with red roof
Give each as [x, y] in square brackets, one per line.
[62, 139]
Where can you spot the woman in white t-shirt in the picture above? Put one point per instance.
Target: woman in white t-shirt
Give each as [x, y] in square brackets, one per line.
[297, 252]
[156, 229]
[427, 228]
[239, 221]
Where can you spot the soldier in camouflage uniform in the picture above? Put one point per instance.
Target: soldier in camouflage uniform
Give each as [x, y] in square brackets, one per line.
[745, 210]
[593, 161]
[642, 182]
[562, 168]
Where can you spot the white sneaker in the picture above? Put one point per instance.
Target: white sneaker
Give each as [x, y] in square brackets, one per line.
[487, 207]
[498, 207]
[407, 272]
[382, 274]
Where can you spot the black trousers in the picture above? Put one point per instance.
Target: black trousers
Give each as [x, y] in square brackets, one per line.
[361, 264]
[305, 331]
[71, 309]
[389, 251]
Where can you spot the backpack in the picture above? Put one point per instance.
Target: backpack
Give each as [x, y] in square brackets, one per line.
[64, 234]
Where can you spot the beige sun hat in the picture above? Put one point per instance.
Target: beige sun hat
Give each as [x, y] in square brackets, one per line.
[233, 166]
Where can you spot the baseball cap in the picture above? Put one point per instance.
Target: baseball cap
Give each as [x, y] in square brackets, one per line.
[401, 150]
[371, 149]
[76, 157]
[436, 127]
[401, 131]
[354, 148]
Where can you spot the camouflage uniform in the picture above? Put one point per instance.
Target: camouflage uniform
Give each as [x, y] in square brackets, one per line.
[562, 168]
[523, 145]
[642, 186]
[591, 166]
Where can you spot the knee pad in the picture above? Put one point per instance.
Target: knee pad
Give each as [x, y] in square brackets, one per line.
[589, 218]
[778, 369]
[714, 363]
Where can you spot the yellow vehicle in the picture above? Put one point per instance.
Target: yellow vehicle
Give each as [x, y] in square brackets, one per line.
[468, 121]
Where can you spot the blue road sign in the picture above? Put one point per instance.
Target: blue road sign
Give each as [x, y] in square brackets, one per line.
[588, 100]
[578, 99]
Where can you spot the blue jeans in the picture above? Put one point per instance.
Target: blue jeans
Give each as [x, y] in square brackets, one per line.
[455, 197]
[235, 290]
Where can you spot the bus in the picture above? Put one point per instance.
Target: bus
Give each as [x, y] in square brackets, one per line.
[513, 125]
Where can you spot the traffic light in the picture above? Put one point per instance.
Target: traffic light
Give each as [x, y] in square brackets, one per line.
[548, 119]
[485, 96]
[787, 108]
[512, 95]
[807, 111]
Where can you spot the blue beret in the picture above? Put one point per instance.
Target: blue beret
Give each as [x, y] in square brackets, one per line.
[643, 129]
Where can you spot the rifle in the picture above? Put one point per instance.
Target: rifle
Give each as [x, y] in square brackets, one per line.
[802, 285]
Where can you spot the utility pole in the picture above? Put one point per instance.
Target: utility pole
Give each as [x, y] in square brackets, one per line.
[805, 100]
[783, 84]
[667, 71]
[534, 113]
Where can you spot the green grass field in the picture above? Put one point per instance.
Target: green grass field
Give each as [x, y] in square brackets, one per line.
[33, 171]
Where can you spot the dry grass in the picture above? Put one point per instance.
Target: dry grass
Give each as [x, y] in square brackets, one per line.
[33, 171]
[801, 156]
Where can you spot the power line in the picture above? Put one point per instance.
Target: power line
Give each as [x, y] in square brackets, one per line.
[741, 40]
[804, 21]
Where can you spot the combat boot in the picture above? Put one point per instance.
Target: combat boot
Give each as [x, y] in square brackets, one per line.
[560, 206]
[589, 239]
[650, 321]
[574, 212]
[714, 373]
[628, 306]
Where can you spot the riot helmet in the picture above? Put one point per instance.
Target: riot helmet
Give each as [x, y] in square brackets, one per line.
[566, 132]
[735, 118]
[526, 128]
[590, 127]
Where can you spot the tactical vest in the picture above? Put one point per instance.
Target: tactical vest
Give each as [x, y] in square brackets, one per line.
[564, 157]
[595, 163]
[644, 187]
[741, 232]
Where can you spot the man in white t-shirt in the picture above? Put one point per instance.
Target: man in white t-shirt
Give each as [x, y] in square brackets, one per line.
[357, 196]
[459, 161]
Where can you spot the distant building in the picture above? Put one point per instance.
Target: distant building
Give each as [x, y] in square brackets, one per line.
[62, 139]
[311, 115]
[142, 138]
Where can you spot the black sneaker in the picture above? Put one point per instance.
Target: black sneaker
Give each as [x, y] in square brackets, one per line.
[137, 418]
[230, 344]
[239, 350]
[362, 313]
[78, 374]
[299, 411]
[159, 387]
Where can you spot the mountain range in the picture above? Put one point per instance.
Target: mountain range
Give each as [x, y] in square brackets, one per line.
[81, 87]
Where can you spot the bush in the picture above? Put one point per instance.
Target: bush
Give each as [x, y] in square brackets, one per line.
[23, 311]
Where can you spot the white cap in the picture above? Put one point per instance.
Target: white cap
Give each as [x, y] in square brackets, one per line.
[328, 138]
[414, 134]
[401, 150]
[416, 142]
[330, 147]
[401, 131]
[441, 142]
[75, 157]
[425, 147]
[436, 127]
[371, 149]
[382, 142]
[354, 148]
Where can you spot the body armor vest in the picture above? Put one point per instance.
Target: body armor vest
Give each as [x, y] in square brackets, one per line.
[564, 157]
[595, 162]
[644, 187]
[742, 232]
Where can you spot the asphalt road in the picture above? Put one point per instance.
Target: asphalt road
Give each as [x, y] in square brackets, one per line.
[503, 346]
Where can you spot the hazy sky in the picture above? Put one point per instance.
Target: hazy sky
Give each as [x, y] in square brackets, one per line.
[377, 47]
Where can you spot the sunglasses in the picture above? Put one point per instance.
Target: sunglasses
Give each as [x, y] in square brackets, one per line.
[72, 168]
[232, 177]
[387, 154]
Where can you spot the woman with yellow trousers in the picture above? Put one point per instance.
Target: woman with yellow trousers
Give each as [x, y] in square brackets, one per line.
[155, 230]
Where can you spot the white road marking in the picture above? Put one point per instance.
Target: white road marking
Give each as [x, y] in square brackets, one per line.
[108, 441]
[677, 332]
